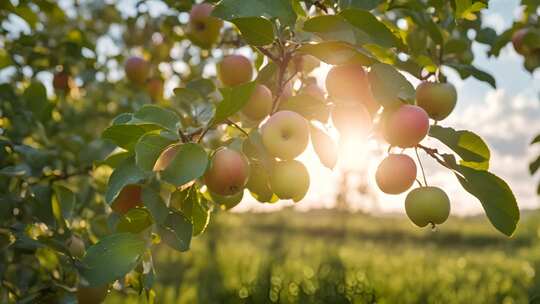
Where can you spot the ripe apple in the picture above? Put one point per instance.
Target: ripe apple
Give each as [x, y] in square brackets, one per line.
[427, 205]
[137, 70]
[517, 41]
[259, 104]
[351, 119]
[155, 89]
[91, 295]
[203, 29]
[396, 173]
[285, 134]
[228, 172]
[438, 99]
[227, 202]
[61, 81]
[350, 83]
[75, 246]
[129, 197]
[258, 183]
[289, 180]
[406, 126]
[234, 70]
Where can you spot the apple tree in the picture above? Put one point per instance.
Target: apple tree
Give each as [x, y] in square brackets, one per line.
[99, 166]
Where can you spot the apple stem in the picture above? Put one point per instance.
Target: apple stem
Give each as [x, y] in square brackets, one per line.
[421, 166]
[232, 123]
[433, 227]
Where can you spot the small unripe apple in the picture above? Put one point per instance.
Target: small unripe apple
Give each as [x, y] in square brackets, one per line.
[155, 89]
[285, 134]
[258, 183]
[517, 41]
[438, 99]
[396, 174]
[129, 197]
[351, 119]
[137, 70]
[227, 202]
[406, 126]
[203, 29]
[91, 295]
[61, 81]
[259, 104]
[427, 205]
[234, 70]
[350, 83]
[75, 246]
[289, 180]
[166, 157]
[228, 172]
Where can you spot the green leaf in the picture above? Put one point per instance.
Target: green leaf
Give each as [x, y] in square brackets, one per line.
[17, 170]
[335, 28]
[202, 86]
[135, 220]
[362, 4]
[535, 140]
[495, 195]
[35, 97]
[66, 201]
[534, 165]
[366, 22]
[153, 201]
[337, 53]
[111, 258]
[466, 9]
[234, 99]
[125, 174]
[500, 42]
[5, 60]
[307, 106]
[466, 70]
[280, 9]
[176, 231]
[149, 148]
[256, 31]
[298, 9]
[115, 159]
[124, 136]
[194, 206]
[151, 114]
[189, 164]
[470, 147]
[389, 87]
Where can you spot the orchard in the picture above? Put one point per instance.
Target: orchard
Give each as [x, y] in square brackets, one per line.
[125, 131]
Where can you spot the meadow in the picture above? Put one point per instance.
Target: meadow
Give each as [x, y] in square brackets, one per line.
[326, 256]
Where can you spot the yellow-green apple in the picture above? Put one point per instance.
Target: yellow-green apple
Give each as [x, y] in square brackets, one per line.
[396, 174]
[91, 295]
[406, 126]
[289, 180]
[258, 183]
[226, 202]
[427, 205]
[129, 197]
[228, 172]
[234, 70]
[259, 105]
[438, 99]
[75, 246]
[203, 29]
[285, 134]
[137, 70]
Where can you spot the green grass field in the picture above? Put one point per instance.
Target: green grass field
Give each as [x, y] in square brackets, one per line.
[333, 257]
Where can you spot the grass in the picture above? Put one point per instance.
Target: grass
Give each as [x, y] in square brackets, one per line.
[334, 257]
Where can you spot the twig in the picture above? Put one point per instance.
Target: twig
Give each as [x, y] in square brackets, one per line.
[421, 166]
[232, 123]
[434, 153]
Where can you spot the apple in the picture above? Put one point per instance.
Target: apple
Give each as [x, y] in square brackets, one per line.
[427, 205]
[234, 70]
[396, 174]
[285, 134]
[203, 29]
[517, 41]
[314, 90]
[75, 246]
[228, 172]
[289, 180]
[155, 89]
[406, 126]
[166, 157]
[438, 99]
[227, 202]
[351, 119]
[259, 104]
[258, 183]
[129, 197]
[61, 81]
[137, 70]
[350, 83]
[91, 295]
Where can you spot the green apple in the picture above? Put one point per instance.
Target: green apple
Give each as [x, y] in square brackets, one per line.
[438, 99]
[396, 174]
[226, 202]
[129, 197]
[285, 134]
[259, 104]
[228, 172]
[203, 29]
[91, 295]
[137, 70]
[75, 246]
[234, 70]
[289, 180]
[406, 126]
[258, 183]
[427, 205]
